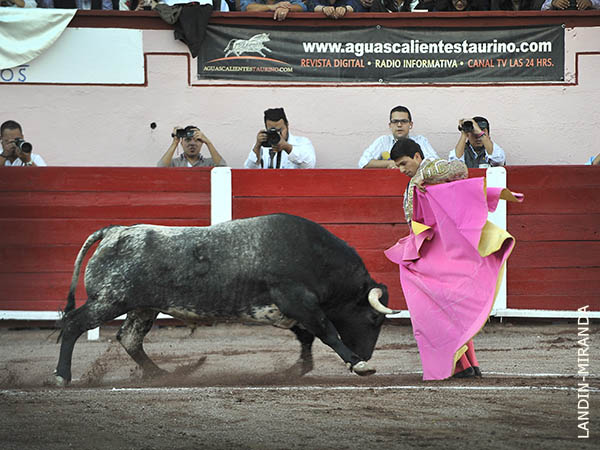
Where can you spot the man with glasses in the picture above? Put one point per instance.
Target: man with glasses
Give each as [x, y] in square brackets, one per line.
[192, 140]
[377, 155]
[277, 148]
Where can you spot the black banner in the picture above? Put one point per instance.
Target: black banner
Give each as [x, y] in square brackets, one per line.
[383, 55]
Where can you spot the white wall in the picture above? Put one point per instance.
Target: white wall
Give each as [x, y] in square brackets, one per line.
[110, 125]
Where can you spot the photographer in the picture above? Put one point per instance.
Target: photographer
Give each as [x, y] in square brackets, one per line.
[15, 150]
[191, 139]
[475, 146]
[594, 161]
[277, 148]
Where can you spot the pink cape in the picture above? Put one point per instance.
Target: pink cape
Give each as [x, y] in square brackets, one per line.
[450, 266]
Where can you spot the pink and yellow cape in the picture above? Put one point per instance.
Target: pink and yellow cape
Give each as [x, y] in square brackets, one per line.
[450, 268]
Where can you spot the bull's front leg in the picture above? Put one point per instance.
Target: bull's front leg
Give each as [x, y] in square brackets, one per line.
[331, 338]
[302, 305]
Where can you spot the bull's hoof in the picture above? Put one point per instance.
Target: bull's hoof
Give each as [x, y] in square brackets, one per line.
[60, 381]
[363, 368]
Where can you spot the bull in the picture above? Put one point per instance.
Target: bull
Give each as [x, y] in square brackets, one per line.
[278, 269]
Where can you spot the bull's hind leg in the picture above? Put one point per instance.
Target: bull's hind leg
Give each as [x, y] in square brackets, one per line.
[74, 323]
[131, 336]
[305, 363]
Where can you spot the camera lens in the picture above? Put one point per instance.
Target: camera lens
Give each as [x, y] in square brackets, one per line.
[25, 147]
[273, 137]
[467, 126]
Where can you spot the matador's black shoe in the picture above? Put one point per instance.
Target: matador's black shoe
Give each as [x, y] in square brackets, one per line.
[477, 372]
[467, 373]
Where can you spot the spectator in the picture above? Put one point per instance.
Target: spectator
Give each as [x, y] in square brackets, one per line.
[334, 9]
[462, 5]
[79, 4]
[425, 5]
[15, 150]
[18, 4]
[571, 4]
[377, 155]
[191, 139]
[94, 4]
[515, 5]
[280, 9]
[137, 5]
[475, 146]
[364, 5]
[385, 5]
[594, 161]
[277, 148]
[141, 5]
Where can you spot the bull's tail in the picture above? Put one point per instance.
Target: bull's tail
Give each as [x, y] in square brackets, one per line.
[91, 240]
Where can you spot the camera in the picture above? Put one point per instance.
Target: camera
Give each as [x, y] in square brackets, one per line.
[24, 146]
[273, 138]
[467, 126]
[572, 5]
[183, 133]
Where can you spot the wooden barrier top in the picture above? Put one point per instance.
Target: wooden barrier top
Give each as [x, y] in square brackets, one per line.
[150, 20]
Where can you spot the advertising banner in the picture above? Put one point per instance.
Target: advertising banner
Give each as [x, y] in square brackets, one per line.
[382, 55]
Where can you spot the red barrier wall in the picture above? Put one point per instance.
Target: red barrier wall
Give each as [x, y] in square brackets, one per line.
[556, 262]
[46, 214]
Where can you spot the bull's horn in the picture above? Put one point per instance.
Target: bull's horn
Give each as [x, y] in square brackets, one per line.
[374, 296]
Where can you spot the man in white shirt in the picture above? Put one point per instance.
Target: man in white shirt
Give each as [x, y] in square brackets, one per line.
[277, 148]
[15, 150]
[475, 146]
[377, 155]
[594, 161]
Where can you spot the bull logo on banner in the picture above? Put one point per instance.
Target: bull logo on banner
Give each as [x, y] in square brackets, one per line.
[256, 44]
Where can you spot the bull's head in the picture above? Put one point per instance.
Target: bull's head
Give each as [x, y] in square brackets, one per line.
[359, 325]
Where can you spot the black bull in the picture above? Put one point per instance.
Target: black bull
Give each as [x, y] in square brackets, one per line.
[279, 269]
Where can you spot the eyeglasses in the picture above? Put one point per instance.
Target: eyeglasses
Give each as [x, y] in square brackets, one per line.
[401, 121]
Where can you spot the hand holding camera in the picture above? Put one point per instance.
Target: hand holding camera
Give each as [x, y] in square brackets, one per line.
[24, 146]
[179, 133]
[272, 138]
[469, 126]
[18, 148]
